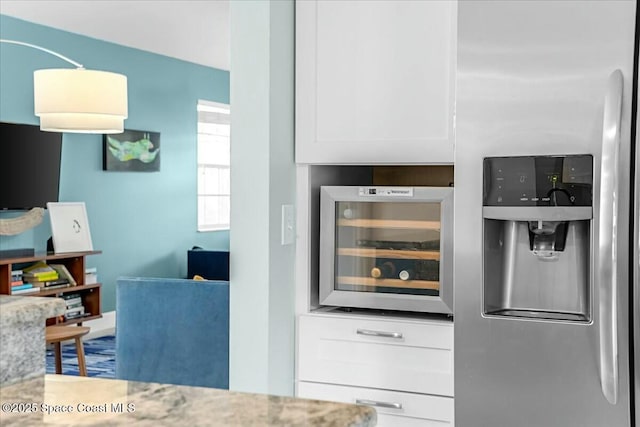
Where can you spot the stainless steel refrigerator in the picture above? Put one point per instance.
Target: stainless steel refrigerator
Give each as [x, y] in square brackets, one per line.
[546, 231]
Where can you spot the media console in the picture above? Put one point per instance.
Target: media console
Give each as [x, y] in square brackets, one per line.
[75, 263]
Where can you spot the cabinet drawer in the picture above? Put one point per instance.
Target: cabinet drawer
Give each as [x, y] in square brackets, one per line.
[396, 355]
[411, 409]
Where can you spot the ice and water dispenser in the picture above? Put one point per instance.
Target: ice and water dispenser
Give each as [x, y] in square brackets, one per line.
[537, 237]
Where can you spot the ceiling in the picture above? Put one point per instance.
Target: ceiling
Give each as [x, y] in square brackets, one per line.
[191, 30]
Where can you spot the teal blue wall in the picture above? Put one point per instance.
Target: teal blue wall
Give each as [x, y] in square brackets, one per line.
[143, 222]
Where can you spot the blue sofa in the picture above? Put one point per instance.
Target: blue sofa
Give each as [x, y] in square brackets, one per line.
[173, 331]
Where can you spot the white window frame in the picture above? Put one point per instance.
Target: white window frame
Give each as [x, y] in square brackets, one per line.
[211, 113]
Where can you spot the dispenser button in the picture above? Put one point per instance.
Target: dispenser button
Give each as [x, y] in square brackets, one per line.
[524, 199]
[546, 199]
[535, 199]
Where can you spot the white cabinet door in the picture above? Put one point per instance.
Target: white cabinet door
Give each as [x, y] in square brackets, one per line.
[375, 81]
[366, 352]
[394, 409]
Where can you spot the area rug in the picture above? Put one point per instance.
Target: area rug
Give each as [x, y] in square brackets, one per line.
[100, 355]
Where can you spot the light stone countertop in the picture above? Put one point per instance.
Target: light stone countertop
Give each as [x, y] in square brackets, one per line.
[22, 337]
[76, 401]
[17, 309]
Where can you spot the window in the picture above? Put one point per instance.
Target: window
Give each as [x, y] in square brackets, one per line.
[214, 161]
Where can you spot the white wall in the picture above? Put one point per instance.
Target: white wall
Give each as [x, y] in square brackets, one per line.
[262, 180]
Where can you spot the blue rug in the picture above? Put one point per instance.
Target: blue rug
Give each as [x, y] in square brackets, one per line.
[100, 355]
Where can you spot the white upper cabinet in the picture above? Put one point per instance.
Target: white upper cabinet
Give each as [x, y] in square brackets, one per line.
[375, 81]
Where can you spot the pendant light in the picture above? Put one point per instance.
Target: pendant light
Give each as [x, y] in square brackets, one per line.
[78, 100]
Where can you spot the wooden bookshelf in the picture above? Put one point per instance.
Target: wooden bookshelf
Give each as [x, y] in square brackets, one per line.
[75, 263]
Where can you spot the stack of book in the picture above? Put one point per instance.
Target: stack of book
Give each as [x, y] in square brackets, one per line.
[18, 286]
[26, 288]
[74, 308]
[44, 276]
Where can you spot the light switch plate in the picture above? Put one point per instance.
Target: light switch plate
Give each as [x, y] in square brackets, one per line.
[288, 231]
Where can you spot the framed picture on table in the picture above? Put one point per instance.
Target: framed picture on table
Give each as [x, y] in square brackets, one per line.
[69, 227]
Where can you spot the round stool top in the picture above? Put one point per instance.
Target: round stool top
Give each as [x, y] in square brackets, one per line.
[62, 333]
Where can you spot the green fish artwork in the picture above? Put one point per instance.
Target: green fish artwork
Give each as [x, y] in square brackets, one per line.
[130, 150]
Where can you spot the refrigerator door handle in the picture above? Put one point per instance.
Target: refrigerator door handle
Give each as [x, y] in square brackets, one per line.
[606, 274]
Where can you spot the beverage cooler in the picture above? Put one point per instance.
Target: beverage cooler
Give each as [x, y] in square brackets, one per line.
[387, 248]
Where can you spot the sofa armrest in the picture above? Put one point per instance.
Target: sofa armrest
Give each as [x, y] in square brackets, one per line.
[173, 331]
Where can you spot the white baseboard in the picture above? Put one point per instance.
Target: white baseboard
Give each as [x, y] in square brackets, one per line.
[106, 325]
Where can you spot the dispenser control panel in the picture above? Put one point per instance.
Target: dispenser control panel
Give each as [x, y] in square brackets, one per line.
[538, 181]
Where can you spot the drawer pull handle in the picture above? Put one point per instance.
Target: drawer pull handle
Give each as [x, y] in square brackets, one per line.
[369, 332]
[387, 405]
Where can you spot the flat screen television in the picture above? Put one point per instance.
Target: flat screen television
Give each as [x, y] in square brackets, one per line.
[29, 166]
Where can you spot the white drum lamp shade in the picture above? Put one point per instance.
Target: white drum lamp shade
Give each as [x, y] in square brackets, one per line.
[80, 100]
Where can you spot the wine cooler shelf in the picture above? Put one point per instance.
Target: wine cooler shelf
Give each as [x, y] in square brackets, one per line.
[382, 271]
[390, 224]
[389, 253]
[404, 245]
[388, 283]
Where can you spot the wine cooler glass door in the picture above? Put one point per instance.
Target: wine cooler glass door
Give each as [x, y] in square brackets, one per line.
[390, 250]
[388, 247]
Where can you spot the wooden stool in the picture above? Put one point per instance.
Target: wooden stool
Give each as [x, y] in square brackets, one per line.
[56, 334]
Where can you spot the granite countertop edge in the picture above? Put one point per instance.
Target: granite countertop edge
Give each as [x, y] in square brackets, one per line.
[154, 404]
[18, 309]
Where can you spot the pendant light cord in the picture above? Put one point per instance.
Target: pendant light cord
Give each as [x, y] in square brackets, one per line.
[64, 58]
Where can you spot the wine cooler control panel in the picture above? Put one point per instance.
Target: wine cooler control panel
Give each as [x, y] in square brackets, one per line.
[386, 191]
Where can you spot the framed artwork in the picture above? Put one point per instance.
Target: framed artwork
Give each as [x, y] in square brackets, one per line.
[131, 151]
[69, 227]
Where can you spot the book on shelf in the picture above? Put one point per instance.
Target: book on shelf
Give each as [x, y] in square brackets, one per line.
[25, 291]
[47, 288]
[40, 276]
[73, 302]
[49, 283]
[64, 273]
[39, 267]
[71, 296]
[20, 287]
[77, 316]
[74, 311]
[17, 282]
[72, 306]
